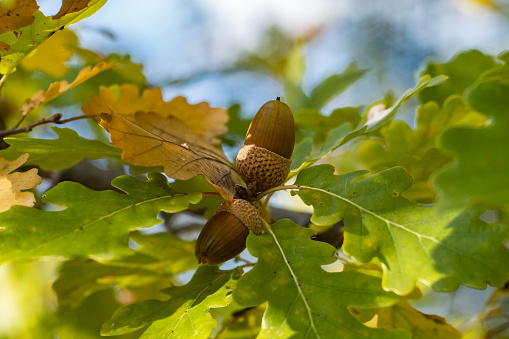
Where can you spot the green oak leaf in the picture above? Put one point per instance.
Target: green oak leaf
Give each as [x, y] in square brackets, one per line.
[412, 241]
[160, 256]
[333, 85]
[416, 150]
[462, 71]
[403, 315]
[372, 120]
[305, 301]
[311, 120]
[479, 175]
[24, 40]
[91, 223]
[61, 153]
[185, 315]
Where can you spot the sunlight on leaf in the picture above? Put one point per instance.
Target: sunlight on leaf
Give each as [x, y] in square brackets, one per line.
[416, 150]
[185, 315]
[159, 257]
[208, 122]
[12, 184]
[402, 315]
[17, 16]
[92, 222]
[412, 241]
[377, 117]
[479, 174]
[462, 71]
[58, 88]
[51, 57]
[25, 39]
[58, 154]
[71, 6]
[368, 123]
[152, 140]
[303, 299]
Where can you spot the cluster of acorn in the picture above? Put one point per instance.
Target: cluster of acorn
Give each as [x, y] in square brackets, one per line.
[263, 162]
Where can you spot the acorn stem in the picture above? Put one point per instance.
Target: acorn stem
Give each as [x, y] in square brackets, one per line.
[266, 227]
[272, 190]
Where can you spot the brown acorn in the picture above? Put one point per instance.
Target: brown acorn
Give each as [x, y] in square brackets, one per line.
[264, 160]
[224, 235]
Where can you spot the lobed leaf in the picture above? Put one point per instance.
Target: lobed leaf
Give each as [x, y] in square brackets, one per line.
[412, 241]
[208, 122]
[479, 174]
[61, 153]
[305, 301]
[185, 315]
[462, 70]
[17, 15]
[13, 184]
[91, 223]
[333, 85]
[159, 257]
[58, 88]
[402, 315]
[152, 140]
[416, 150]
[373, 119]
[19, 42]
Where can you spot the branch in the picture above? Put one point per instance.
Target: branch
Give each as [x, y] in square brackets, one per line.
[55, 118]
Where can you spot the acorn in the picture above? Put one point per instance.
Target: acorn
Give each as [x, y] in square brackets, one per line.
[224, 236]
[264, 160]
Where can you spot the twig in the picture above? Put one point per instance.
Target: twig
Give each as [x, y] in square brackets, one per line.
[274, 189]
[55, 118]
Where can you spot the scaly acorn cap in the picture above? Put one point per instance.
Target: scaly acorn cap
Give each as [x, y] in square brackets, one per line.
[264, 160]
[261, 169]
[224, 236]
[273, 128]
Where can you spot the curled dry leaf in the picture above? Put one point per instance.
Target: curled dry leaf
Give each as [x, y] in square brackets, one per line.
[208, 122]
[148, 139]
[57, 88]
[12, 184]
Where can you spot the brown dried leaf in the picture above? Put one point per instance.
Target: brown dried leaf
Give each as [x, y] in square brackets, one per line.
[21, 14]
[11, 185]
[4, 46]
[148, 139]
[57, 88]
[70, 6]
[208, 122]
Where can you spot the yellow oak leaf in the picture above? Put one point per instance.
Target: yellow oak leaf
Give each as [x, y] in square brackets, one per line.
[208, 122]
[57, 88]
[16, 15]
[12, 184]
[51, 55]
[148, 139]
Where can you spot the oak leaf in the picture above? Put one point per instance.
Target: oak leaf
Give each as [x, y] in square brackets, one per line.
[58, 88]
[51, 57]
[19, 15]
[208, 122]
[70, 6]
[148, 139]
[12, 184]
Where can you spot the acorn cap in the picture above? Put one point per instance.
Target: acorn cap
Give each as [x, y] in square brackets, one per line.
[273, 128]
[224, 236]
[262, 169]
